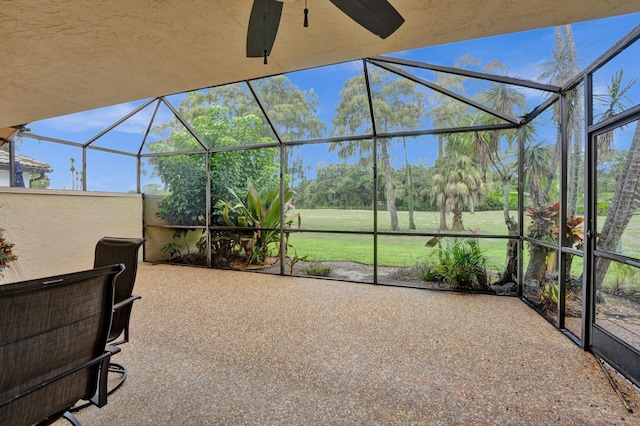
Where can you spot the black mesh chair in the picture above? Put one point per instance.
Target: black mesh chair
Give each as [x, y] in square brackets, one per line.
[110, 250]
[53, 345]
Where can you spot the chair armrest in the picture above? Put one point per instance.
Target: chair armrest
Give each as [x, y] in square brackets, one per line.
[103, 360]
[125, 302]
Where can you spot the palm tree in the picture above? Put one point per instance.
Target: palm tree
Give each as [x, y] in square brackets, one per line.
[503, 161]
[615, 101]
[537, 162]
[456, 183]
[561, 69]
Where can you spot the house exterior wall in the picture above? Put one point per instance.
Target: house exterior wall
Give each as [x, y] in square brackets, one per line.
[6, 181]
[55, 232]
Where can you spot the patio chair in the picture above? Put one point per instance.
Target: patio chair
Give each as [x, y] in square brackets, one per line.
[53, 345]
[110, 250]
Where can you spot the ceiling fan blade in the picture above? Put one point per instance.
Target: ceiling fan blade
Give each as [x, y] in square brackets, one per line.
[378, 16]
[263, 27]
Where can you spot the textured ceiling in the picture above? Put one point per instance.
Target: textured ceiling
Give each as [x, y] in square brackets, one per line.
[64, 56]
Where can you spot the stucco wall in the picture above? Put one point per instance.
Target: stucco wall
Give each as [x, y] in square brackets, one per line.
[55, 232]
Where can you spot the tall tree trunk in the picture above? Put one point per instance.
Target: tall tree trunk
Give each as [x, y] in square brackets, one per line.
[410, 189]
[537, 267]
[510, 273]
[625, 201]
[575, 121]
[443, 218]
[457, 224]
[391, 196]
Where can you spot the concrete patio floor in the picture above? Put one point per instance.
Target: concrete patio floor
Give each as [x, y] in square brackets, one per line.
[213, 347]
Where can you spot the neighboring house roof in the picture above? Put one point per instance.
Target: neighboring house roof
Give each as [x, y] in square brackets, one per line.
[29, 165]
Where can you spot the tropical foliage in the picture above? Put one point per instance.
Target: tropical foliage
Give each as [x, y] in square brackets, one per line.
[262, 213]
[461, 263]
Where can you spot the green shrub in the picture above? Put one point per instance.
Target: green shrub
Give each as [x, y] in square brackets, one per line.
[461, 263]
[550, 295]
[430, 275]
[318, 271]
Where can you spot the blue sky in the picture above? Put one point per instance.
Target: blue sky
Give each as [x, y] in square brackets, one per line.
[521, 53]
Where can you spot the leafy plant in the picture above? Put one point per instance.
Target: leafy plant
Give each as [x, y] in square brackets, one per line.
[262, 213]
[172, 249]
[461, 263]
[318, 270]
[295, 259]
[544, 222]
[550, 295]
[430, 275]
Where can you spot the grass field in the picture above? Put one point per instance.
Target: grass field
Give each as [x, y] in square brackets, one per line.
[410, 250]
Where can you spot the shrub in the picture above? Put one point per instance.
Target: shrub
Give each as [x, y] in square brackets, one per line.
[318, 271]
[550, 295]
[430, 275]
[461, 263]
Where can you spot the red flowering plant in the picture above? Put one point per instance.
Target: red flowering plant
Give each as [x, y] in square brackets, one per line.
[6, 255]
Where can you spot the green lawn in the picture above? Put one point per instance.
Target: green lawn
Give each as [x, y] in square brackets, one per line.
[392, 250]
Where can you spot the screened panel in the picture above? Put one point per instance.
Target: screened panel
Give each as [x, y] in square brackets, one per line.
[183, 177]
[332, 185]
[224, 116]
[465, 263]
[574, 287]
[82, 126]
[300, 104]
[540, 281]
[346, 111]
[574, 212]
[617, 223]
[541, 165]
[617, 307]
[128, 135]
[150, 181]
[615, 87]
[107, 172]
[342, 256]
[405, 168]
[168, 134]
[47, 165]
[233, 171]
[454, 182]
[489, 94]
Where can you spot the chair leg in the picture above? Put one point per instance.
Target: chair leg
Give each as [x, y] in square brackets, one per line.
[118, 369]
[71, 418]
[113, 368]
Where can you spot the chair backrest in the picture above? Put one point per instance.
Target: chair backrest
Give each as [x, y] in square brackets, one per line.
[110, 250]
[48, 327]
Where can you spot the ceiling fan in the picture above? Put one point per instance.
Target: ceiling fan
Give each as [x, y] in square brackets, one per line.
[377, 16]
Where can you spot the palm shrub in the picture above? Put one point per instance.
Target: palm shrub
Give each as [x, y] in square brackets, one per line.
[461, 263]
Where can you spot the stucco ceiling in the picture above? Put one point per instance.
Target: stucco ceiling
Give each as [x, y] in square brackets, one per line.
[60, 57]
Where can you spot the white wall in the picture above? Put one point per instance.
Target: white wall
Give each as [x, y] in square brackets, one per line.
[55, 232]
